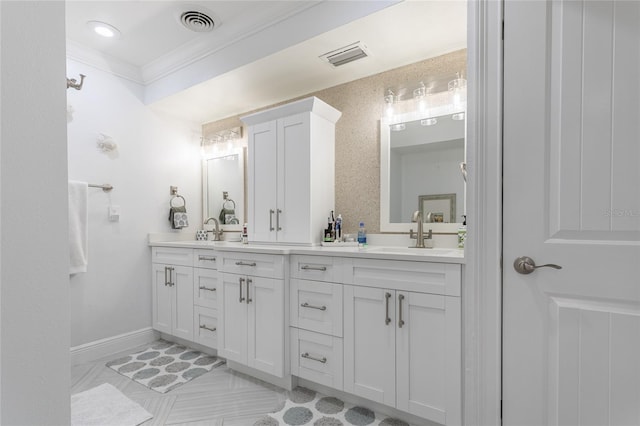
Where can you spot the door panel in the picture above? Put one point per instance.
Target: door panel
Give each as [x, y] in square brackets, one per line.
[232, 318]
[571, 173]
[262, 181]
[266, 325]
[369, 343]
[162, 299]
[182, 314]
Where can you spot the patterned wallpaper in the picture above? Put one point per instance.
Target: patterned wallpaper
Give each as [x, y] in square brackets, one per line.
[357, 164]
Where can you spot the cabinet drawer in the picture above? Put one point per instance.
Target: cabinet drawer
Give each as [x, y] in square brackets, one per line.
[316, 357]
[254, 264]
[316, 306]
[206, 326]
[318, 268]
[205, 287]
[423, 277]
[172, 256]
[205, 259]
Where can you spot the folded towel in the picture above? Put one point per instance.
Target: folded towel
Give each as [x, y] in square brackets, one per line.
[226, 215]
[178, 217]
[78, 232]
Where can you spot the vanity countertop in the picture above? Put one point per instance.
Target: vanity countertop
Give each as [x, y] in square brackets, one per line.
[442, 255]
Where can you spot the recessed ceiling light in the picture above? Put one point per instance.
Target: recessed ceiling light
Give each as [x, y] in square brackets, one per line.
[103, 29]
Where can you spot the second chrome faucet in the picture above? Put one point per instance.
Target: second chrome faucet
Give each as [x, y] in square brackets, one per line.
[217, 232]
[420, 237]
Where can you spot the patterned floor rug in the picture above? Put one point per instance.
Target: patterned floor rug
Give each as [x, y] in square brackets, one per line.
[306, 407]
[164, 365]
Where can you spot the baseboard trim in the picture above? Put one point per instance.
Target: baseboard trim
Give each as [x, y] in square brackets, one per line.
[112, 345]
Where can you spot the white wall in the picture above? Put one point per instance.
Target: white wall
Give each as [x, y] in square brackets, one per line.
[154, 152]
[34, 255]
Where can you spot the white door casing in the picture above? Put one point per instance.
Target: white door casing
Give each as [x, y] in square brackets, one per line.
[571, 351]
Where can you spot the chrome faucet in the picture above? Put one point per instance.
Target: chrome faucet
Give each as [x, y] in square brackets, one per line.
[217, 233]
[419, 237]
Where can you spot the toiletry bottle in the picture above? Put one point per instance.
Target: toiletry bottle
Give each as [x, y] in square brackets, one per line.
[462, 232]
[362, 235]
[339, 228]
[245, 235]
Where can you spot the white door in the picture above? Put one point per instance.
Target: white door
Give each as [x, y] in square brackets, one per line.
[571, 351]
[370, 343]
[162, 298]
[262, 181]
[182, 306]
[232, 318]
[293, 217]
[265, 332]
[428, 339]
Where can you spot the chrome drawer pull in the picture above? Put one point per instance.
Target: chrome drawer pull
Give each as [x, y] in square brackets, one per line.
[207, 328]
[306, 355]
[167, 281]
[278, 220]
[249, 299]
[387, 320]
[211, 258]
[207, 288]
[240, 299]
[314, 268]
[240, 263]
[400, 320]
[271, 212]
[320, 308]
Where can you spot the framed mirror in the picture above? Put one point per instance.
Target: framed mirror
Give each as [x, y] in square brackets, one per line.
[223, 188]
[420, 169]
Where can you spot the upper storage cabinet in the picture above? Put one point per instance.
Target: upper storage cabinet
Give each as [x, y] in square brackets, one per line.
[291, 171]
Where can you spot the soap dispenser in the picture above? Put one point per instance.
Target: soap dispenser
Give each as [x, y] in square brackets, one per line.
[462, 232]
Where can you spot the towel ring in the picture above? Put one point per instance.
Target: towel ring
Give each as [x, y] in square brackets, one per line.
[184, 202]
[224, 205]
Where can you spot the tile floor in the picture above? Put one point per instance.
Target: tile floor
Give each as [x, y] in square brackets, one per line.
[221, 397]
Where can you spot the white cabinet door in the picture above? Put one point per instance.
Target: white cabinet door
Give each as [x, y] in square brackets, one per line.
[262, 182]
[369, 343]
[232, 318]
[428, 356]
[162, 298]
[182, 306]
[265, 302]
[293, 218]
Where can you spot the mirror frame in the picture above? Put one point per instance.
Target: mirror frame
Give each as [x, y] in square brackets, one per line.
[385, 176]
[242, 152]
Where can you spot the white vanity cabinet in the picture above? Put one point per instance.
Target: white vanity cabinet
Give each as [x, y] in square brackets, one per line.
[402, 336]
[316, 319]
[172, 292]
[251, 300]
[205, 298]
[291, 171]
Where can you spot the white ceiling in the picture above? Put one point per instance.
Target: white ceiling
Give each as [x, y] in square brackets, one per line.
[260, 52]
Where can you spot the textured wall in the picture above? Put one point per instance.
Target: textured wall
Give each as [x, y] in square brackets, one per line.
[358, 133]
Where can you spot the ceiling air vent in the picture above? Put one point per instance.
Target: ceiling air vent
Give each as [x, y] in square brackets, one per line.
[197, 21]
[346, 54]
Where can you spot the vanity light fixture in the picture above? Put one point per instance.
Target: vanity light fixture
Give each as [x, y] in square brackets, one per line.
[459, 116]
[429, 121]
[457, 87]
[103, 29]
[389, 100]
[419, 95]
[397, 127]
[222, 140]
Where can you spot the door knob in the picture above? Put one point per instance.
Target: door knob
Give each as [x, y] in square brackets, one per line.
[526, 265]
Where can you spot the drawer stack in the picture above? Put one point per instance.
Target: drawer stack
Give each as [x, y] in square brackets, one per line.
[205, 298]
[316, 319]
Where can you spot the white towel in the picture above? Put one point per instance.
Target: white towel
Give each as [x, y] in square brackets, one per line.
[105, 405]
[78, 221]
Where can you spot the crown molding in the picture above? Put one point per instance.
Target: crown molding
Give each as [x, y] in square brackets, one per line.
[103, 62]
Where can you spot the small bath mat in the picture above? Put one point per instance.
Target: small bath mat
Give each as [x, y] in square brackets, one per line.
[105, 405]
[164, 365]
[307, 407]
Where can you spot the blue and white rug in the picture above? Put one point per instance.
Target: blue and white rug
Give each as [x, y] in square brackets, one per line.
[164, 365]
[307, 407]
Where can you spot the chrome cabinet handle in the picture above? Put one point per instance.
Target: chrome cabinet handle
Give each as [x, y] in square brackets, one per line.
[313, 268]
[278, 220]
[525, 265]
[320, 308]
[400, 320]
[207, 288]
[249, 299]
[166, 280]
[171, 270]
[211, 258]
[306, 355]
[241, 299]
[387, 320]
[207, 328]
[240, 263]
[271, 212]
